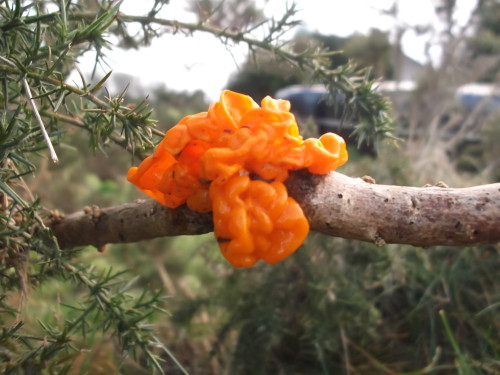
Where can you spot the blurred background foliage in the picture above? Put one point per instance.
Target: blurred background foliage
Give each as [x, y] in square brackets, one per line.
[172, 304]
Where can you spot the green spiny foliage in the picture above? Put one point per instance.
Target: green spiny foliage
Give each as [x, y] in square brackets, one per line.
[108, 306]
[39, 48]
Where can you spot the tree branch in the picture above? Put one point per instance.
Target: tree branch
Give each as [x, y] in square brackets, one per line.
[334, 204]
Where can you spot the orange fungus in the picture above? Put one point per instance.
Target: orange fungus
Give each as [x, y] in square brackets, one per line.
[233, 160]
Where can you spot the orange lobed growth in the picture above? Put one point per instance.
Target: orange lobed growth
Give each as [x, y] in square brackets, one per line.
[233, 160]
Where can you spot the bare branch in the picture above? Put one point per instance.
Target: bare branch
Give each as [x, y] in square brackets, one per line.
[335, 204]
[34, 108]
[422, 216]
[46, 136]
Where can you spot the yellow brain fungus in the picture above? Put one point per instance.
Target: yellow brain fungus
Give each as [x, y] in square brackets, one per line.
[233, 160]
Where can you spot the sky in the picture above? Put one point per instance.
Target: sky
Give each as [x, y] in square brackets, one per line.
[201, 62]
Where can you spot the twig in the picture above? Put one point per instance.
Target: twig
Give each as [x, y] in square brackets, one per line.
[345, 349]
[32, 103]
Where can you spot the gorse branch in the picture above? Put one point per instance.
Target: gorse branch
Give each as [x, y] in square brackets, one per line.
[109, 306]
[369, 109]
[115, 307]
[101, 118]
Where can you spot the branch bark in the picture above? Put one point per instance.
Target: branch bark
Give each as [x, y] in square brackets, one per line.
[334, 204]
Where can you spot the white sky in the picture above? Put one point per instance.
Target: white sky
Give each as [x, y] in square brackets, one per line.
[202, 62]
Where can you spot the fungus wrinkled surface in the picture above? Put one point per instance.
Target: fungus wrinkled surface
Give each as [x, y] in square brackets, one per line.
[233, 160]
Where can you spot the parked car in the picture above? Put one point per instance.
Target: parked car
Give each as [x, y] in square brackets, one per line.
[311, 102]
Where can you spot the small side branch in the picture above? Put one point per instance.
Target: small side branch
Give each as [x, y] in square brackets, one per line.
[46, 136]
[334, 204]
[34, 108]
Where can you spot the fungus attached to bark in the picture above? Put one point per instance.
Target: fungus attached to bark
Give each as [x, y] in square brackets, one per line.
[233, 160]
